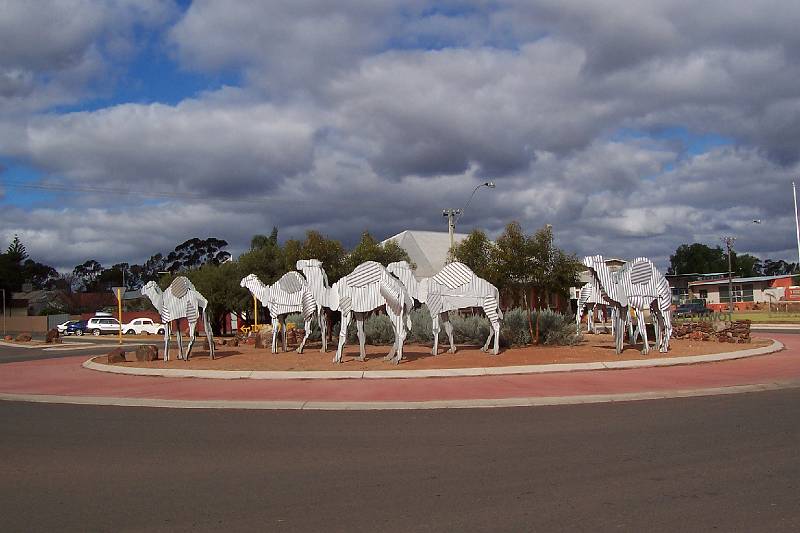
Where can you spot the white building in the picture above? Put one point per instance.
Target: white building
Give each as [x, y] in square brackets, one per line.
[427, 249]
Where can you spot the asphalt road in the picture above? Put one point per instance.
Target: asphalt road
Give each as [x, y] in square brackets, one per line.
[727, 463]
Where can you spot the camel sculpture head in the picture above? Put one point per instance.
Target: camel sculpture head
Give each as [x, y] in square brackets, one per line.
[250, 280]
[609, 284]
[398, 267]
[308, 263]
[151, 290]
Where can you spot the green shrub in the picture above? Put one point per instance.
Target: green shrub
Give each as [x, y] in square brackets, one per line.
[515, 330]
[556, 328]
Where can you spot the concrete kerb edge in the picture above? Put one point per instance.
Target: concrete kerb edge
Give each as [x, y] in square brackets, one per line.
[420, 405]
[91, 364]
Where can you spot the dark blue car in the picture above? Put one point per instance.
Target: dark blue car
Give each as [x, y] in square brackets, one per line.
[76, 328]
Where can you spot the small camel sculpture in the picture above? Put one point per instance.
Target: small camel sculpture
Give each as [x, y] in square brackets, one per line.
[454, 287]
[290, 294]
[365, 289]
[180, 300]
[638, 285]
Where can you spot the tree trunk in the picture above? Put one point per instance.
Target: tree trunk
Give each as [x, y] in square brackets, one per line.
[530, 320]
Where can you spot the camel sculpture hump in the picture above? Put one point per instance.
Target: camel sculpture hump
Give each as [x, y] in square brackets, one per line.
[291, 282]
[180, 287]
[365, 274]
[641, 273]
[454, 275]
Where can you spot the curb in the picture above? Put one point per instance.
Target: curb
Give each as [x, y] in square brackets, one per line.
[375, 406]
[91, 364]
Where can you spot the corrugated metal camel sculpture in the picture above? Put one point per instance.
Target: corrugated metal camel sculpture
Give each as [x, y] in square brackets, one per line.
[365, 289]
[454, 287]
[290, 294]
[588, 296]
[180, 300]
[639, 285]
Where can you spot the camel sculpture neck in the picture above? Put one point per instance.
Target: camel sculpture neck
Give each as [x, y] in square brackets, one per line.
[608, 283]
[156, 297]
[326, 296]
[261, 291]
[413, 286]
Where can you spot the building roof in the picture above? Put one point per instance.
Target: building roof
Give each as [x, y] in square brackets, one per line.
[753, 279]
[427, 249]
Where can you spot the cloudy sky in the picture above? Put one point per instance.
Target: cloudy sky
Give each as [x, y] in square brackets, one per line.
[128, 126]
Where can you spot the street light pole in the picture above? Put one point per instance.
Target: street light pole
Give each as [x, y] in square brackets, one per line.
[796, 223]
[729, 243]
[454, 215]
[4, 312]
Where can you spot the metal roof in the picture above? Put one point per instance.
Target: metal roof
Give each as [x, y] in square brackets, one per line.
[722, 281]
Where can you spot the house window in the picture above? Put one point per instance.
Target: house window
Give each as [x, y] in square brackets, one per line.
[680, 294]
[704, 294]
[740, 293]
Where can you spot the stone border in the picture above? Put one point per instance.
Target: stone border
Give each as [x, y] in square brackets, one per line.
[533, 401]
[443, 372]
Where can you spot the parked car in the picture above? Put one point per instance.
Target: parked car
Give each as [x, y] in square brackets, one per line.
[144, 326]
[692, 309]
[76, 328]
[62, 328]
[99, 325]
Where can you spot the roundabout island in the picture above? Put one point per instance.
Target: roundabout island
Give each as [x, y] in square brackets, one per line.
[243, 377]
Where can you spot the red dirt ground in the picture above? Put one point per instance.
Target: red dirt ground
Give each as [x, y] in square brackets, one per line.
[416, 357]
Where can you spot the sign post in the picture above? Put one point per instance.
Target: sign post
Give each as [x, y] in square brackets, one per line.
[118, 292]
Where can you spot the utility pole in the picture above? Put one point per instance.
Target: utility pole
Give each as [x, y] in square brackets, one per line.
[4, 312]
[729, 244]
[796, 223]
[451, 215]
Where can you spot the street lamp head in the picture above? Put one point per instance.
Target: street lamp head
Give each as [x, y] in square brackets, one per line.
[757, 221]
[489, 184]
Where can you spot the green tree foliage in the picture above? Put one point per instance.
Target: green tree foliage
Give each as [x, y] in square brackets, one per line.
[697, 258]
[87, 274]
[779, 267]
[368, 249]
[17, 268]
[196, 252]
[746, 265]
[316, 246]
[16, 250]
[478, 253]
[265, 258]
[220, 285]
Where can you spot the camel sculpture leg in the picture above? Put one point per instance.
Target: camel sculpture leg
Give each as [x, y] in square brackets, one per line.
[448, 328]
[590, 320]
[307, 326]
[282, 320]
[578, 317]
[322, 328]
[400, 336]
[362, 337]
[192, 326]
[166, 340]
[665, 316]
[342, 336]
[619, 328]
[209, 336]
[275, 325]
[180, 339]
[435, 330]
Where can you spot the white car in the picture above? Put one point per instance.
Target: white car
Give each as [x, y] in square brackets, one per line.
[99, 325]
[145, 326]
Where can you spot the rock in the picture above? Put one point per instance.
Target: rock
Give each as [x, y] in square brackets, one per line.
[233, 342]
[23, 337]
[8, 338]
[146, 353]
[117, 355]
[130, 357]
[263, 339]
[52, 337]
[250, 340]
